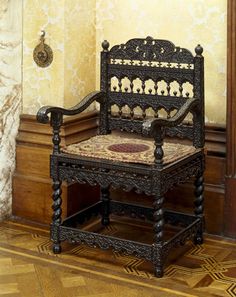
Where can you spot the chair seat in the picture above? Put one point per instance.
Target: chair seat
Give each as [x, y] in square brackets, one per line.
[129, 150]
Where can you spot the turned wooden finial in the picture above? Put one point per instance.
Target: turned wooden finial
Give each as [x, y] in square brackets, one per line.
[199, 50]
[105, 45]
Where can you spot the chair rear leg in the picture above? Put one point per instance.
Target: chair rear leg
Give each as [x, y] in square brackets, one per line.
[56, 218]
[105, 198]
[158, 226]
[199, 207]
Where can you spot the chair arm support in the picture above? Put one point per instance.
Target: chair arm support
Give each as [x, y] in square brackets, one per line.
[42, 114]
[151, 125]
[156, 128]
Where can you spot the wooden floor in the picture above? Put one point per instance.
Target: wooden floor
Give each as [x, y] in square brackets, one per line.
[28, 268]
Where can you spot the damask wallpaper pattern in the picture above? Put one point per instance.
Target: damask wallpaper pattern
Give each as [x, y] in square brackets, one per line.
[186, 23]
[76, 28]
[69, 27]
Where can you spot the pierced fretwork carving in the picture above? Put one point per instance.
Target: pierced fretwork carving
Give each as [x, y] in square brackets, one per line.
[155, 89]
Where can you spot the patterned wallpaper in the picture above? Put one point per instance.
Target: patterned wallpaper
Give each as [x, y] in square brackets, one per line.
[186, 23]
[70, 32]
[76, 28]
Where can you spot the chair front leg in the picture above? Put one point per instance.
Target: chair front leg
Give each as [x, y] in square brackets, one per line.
[56, 218]
[199, 206]
[158, 226]
[105, 198]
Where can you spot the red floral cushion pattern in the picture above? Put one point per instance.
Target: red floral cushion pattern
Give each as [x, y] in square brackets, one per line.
[131, 150]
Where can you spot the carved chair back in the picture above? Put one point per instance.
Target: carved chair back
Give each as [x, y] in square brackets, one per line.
[151, 77]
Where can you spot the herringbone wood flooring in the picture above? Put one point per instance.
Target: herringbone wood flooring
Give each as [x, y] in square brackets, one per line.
[28, 268]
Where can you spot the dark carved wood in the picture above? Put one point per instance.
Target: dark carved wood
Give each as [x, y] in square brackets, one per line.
[199, 190]
[106, 206]
[147, 60]
[230, 178]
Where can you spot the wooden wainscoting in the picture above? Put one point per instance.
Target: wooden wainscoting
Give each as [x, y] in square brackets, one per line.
[32, 188]
[32, 184]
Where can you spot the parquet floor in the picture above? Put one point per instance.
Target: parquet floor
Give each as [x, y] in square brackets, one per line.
[28, 268]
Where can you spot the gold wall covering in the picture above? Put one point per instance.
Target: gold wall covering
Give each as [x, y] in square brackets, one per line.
[76, 28]
[70, 32]
[186, 23]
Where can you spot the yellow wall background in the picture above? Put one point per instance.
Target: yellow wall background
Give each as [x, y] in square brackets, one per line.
[76, 28]
[70, 32]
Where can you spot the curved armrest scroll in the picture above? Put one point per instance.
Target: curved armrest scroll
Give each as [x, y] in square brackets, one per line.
[149, 126]
[42, 114]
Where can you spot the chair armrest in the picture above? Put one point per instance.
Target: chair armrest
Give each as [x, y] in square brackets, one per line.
[42, 114]
[150, 125]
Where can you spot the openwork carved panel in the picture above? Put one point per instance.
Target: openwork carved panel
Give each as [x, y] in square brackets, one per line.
[150, 78]
[153, 88]
[116, 177]
[150, 49]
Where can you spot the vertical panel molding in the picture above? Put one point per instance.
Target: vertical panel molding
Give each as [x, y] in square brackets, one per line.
[230, 182]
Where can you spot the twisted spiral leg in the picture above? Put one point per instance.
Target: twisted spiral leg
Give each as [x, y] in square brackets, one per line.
[105, 198]
[199, 207]
[158, 226]
[56, 217]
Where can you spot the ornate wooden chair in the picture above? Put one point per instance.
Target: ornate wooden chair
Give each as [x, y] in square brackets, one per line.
[136, 77]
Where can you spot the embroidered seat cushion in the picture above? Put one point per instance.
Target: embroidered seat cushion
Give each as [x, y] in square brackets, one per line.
[130, 150]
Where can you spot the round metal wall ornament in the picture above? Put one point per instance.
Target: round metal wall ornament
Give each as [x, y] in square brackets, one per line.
[43, 54]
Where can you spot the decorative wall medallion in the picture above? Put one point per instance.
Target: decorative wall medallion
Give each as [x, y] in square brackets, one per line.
[43, 54]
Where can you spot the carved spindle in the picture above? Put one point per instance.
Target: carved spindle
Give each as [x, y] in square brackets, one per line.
[158, 226]
[158, 217]
[168, 88]
[131, 113]
[168, 114]
[56, 218]
[158, 152]
[199, 195]
[199, 205]
[120, 112]
[120, 85]
[156, 115]
[144, 114]
[175, 93]
[114, 88]
[162, 92]
[156, 87]
[105, 198]
[56, 121]
[126, 89]
[181, 91]
[131, 87]
[143, 86]
[187, 94]
[150, 91]
[138, 90]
